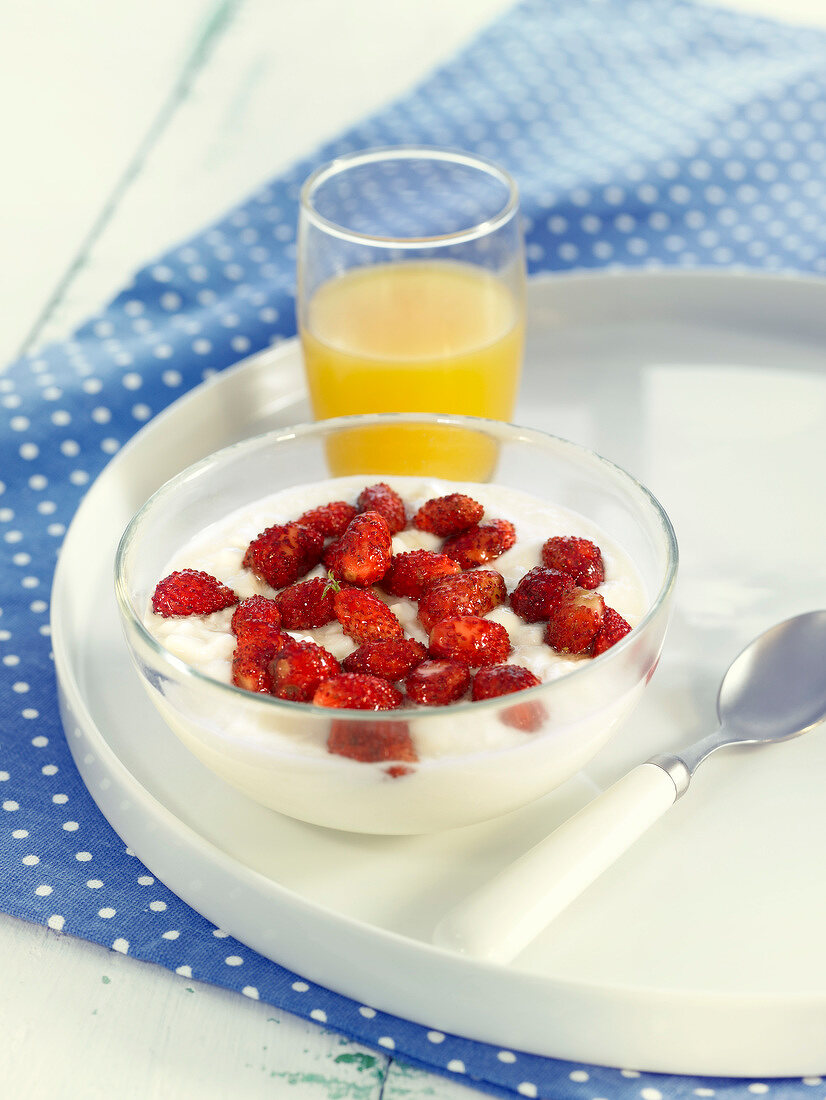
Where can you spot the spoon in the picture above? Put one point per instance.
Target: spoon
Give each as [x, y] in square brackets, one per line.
[774, 690]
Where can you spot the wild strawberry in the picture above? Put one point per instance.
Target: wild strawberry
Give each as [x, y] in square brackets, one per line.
[283, 553]
[495, 680]
[474, 593]
[437, 683]
[330, 555]
[257, 643]
[387, 502]
[306, 605]
[330, 519]
[356, 691]
[261, 635]
[363, 552]
[396, 771]
[445, 516]
[391, 659]
[364, 617]
[372, 742]
[296, 672]
[255, 608]
[470, 639]
[575, 621]
[191, 592]
[579, 558]
[250, 669]
[481, 544]
[613, 628]
[538, 593]
[411, 572]
[529, 717]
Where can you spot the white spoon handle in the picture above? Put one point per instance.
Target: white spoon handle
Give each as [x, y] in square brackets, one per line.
[503, 916]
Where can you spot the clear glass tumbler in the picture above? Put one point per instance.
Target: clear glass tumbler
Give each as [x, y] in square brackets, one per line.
[411, 298]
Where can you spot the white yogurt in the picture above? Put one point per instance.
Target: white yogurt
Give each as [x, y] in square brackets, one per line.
[206, 642]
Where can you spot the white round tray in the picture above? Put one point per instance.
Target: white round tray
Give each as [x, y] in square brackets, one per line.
[701, 951]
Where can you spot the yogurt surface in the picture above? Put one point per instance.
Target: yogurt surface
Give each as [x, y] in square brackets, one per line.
[207, 643]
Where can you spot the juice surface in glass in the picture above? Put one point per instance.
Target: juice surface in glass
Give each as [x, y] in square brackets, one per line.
[435, 337]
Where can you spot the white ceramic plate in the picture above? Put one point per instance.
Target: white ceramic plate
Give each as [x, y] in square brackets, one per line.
[701, 951]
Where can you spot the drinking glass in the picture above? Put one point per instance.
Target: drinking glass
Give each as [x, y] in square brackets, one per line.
[411, 298]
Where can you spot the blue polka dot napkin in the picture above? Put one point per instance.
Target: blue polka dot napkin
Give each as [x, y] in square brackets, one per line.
[641, 132]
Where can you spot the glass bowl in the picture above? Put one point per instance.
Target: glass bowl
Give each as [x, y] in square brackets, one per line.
[273, 750]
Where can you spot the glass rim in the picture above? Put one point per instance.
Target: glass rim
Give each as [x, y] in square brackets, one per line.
[346, 161]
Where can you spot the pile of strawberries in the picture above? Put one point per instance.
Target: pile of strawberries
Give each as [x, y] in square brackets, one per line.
[454, 592]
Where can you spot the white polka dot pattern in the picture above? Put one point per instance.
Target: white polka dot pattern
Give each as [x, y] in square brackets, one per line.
[641, 133]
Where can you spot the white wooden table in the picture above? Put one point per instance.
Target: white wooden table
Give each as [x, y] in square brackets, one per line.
[125, 127]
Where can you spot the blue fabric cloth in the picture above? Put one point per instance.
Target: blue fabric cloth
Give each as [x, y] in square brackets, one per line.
[641, 132]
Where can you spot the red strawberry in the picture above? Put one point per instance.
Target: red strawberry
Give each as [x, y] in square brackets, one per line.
[470, 639]
[362, 555]
[283, 553]
[391, 659]
[575, 621]
[306, 605]
[387, 502]
[495, 680]
[330, 519]
[356, 691]
[579, 558]
[538, 593]
[258, 641]
[364, 617]
[296, 672]
[445, 516]
[330, 555]
[613, 628]
[437, 683]
[250, 669]
[191, 592]
[372, 742]
[411, 572]
[255, 608]
[474, 593]
[481, 544]
[261, 635]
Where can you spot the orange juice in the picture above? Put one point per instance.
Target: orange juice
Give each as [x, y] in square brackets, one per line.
[414, 337]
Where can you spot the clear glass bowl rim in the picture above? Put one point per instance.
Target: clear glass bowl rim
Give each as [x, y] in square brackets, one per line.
[347, 161]
[506, 432]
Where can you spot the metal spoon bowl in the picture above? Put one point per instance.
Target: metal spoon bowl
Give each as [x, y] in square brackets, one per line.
[773, 691]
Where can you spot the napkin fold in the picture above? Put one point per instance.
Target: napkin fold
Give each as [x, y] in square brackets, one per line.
[641, 133]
